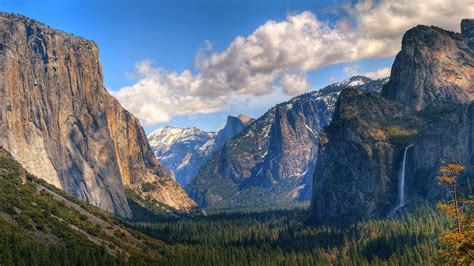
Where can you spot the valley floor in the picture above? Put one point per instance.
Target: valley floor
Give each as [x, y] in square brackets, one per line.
[283, 238]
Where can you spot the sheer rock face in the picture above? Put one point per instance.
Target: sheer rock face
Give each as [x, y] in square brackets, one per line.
[434, 67]
[358, 162]
[59, 122]
[426, 106]
[360, 155]
[233, 126]
[270, 152]
[467, 30]
[271, 163]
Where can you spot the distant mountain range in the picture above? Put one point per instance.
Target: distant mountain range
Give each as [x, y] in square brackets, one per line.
[278, 163]
[271, 162]
[182, 151]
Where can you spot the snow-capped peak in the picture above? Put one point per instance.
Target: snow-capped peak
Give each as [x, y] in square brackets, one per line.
[184, 150]
[354, 81]
[162, 139]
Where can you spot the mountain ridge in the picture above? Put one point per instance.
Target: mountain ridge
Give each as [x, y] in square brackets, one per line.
[270, 162]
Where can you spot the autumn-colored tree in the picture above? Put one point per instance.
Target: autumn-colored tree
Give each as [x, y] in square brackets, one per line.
[457, 245]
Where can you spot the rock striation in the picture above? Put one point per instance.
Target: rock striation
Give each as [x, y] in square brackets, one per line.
[271, 163]
[60, 123]
[426, 106]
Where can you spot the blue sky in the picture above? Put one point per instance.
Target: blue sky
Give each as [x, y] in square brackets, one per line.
[167, 35]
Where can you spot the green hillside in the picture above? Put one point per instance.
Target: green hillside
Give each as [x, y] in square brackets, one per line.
[43, 225]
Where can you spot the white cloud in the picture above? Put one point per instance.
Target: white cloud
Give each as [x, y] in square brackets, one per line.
[159, 95]
[275, 51]
[351, 70]
[381, 73]
[294, 84]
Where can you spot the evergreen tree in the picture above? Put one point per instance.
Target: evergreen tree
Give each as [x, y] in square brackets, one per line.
[457, 244]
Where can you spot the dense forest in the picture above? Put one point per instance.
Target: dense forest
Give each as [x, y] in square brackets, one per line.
[43, 225]
[285, 238]
[260, 238]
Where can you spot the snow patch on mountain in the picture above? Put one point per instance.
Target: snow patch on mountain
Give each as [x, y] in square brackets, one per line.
[182, 151]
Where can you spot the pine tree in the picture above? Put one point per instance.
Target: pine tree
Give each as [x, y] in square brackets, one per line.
[457, 244]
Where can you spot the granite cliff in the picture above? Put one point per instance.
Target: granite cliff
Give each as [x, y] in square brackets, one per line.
[434, 67]
[271, 162]
[425, 108]
[233, 126]
[60, 123]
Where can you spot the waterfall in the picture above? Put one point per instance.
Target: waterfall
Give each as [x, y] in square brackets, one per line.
[401, 183]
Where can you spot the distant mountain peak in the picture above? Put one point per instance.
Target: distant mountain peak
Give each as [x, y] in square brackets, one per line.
[234, 124]
[163, 138]
[354, 81]
[182, 151]
[242, 117]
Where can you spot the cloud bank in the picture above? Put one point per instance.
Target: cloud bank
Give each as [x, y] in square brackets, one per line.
[380, 73]
[353, 70]
[280, 54]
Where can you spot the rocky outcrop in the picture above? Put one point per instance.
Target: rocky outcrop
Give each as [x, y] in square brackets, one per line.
[356, 171]
[467, 30]
[425, 107]
[183, 151]
[434, 67]
[60, 123]
[233, 126]
[271, 163]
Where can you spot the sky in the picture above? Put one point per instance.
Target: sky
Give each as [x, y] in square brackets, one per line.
[192, 63]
